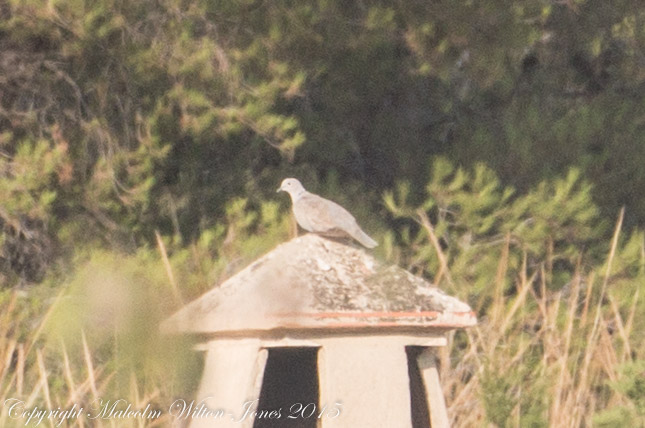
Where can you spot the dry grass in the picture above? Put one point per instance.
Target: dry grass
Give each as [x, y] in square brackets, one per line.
[27, 374]
[580, 336]
[559, 347]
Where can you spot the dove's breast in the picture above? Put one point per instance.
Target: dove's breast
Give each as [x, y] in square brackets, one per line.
[302, 217]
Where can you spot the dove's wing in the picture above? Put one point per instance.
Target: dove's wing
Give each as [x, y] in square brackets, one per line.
[321, 215]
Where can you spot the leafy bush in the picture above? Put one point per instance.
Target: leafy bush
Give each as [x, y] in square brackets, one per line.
[557, 317]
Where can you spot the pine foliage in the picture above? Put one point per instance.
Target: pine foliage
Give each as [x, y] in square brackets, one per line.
[492, 147]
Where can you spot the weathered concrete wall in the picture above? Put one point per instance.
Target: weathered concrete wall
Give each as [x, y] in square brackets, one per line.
[366, 375]
[232, 376]
[369, 377]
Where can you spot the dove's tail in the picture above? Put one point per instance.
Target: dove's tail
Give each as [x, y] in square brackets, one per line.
[364, 238]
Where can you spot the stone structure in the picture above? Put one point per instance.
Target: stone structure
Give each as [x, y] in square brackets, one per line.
[317, 333]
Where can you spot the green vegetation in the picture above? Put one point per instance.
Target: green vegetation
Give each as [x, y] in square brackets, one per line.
[559, 340]
[495, 148]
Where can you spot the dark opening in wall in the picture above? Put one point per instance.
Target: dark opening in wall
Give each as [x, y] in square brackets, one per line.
[290, 384]
[418, 397]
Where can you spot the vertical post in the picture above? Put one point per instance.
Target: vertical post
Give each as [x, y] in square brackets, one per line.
[428, 367]
[368, 377]
[232, 376]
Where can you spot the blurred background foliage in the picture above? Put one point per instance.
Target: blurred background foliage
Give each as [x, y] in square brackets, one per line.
[489, 146]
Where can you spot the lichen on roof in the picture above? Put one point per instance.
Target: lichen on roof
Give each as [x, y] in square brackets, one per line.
[308, 275]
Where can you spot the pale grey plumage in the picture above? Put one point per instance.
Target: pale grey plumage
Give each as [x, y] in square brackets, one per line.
[319, 215]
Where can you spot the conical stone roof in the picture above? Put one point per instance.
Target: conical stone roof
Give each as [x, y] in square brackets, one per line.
[312, 282]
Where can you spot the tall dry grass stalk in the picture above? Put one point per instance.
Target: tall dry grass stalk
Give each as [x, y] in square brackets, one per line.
[581, 334]
[27, 374]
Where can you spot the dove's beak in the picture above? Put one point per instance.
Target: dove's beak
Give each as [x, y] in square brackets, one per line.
[279, 190]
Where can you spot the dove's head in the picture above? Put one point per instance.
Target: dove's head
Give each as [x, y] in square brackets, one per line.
[292, 186]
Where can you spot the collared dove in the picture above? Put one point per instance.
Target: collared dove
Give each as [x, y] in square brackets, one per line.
[319, 215]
